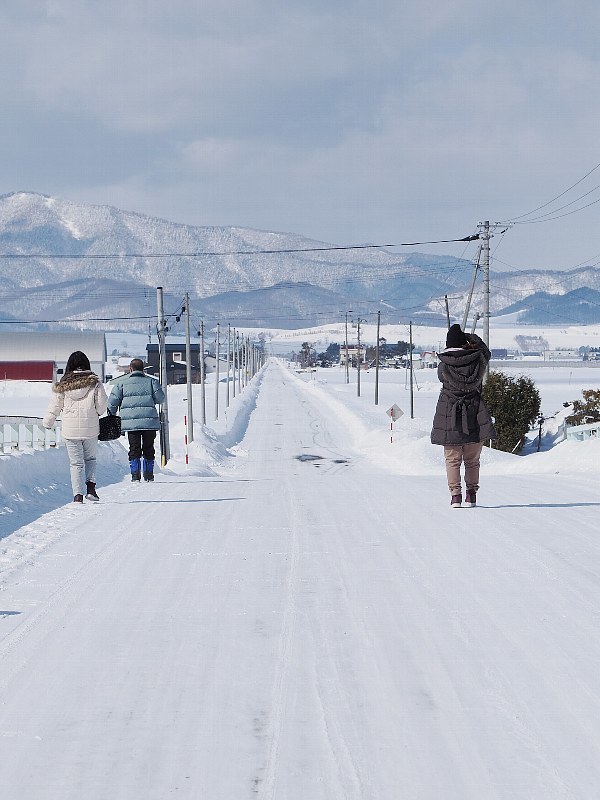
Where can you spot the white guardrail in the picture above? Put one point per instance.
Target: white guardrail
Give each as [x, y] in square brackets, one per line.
[27, 433]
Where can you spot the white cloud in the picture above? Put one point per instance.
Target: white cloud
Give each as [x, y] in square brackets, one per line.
[343, 120]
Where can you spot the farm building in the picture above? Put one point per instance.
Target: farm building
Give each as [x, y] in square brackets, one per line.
[176, 365]
[22, 347]
[28, 371]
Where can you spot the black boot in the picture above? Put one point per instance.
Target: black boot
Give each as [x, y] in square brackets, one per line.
[91, 491]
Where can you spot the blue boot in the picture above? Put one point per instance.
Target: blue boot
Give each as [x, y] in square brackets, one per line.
[148, 466]
[134, 466]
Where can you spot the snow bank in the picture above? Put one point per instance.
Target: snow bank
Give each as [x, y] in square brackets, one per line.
[34, 482]
[407, 449]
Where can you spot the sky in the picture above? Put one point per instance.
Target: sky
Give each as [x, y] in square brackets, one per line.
[375, 121]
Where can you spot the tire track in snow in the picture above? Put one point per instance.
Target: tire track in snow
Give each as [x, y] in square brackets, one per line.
[347, 781]
[266, 788]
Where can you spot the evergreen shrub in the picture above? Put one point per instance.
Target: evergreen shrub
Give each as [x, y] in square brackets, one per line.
[586, 410]
[515, 405]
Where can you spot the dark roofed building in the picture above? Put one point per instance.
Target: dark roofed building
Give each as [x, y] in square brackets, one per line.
[176, 364]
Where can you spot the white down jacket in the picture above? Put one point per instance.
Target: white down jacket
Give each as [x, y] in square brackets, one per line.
[80, 398]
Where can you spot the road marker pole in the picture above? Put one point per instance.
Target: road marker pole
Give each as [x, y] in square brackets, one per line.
[394, 413]
[185, 437]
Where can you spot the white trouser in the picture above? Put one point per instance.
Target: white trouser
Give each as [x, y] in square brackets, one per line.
[82, 462]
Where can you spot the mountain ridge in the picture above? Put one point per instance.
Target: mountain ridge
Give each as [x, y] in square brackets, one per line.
[62, 249]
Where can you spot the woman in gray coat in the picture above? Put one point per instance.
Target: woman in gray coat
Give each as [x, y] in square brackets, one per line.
[461, 422]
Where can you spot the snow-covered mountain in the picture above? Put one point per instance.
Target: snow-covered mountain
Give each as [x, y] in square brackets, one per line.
[64, 261]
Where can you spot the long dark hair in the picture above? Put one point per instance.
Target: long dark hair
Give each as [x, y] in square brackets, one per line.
[78, 360]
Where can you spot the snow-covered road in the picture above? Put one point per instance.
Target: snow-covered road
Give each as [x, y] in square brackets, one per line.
[306, 626]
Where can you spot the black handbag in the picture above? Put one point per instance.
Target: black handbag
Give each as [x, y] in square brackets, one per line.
[110, 428]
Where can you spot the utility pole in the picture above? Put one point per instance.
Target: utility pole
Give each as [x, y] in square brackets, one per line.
[217, 353]
[485, 252]
[188, 372]
[447, 311]
[410, 355]
[377, 360]
[233, 362]
[239, 363]
[202, 373]
[164, 413]
[358, 359]
[470, 296]
[228, 362]
[347, 365]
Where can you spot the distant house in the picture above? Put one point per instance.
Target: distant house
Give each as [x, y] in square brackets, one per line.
[352, 355]
[22, 347]
[210, 363]
[428, 359]
[176, 363]
[564, 354]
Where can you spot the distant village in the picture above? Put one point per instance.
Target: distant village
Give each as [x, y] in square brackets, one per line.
[37, 356]
[396, 356]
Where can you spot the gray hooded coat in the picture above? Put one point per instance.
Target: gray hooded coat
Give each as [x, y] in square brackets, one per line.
[461, 416]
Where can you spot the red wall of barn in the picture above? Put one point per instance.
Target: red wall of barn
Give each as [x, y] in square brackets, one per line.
[26, 370]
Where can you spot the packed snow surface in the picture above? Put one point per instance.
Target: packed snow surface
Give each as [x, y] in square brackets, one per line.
[298, 614]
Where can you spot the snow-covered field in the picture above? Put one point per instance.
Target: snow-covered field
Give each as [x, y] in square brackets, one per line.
[503, 333]
[298, 613]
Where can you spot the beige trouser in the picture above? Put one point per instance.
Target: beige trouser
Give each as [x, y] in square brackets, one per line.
[455, 454]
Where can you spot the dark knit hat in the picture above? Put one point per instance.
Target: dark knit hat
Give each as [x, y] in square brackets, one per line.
[456, 337]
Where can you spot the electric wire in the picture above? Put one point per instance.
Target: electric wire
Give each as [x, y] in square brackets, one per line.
[372, 273]
[203, 254]
[558, 196]
[548, 217]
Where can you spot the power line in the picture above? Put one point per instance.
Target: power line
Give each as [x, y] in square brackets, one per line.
[558, 196]
[375, 273]
[202, 254]
[69, 320]
[589, 263]
[559, 216]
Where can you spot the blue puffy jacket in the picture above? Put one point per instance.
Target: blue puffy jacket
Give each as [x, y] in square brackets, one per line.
[137, 394]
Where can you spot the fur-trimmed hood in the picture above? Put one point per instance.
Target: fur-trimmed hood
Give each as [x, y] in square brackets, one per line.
[79, 398]
[462, 369]
[79, 381]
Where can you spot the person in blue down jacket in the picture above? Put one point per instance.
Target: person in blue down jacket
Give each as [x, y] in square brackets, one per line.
[137, 394]
[462, 422]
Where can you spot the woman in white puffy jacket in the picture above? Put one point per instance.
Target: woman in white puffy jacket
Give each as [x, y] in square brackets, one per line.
[80, 399]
